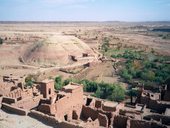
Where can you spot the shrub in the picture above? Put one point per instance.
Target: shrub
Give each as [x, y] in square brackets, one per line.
[29, 80]
[1, 41]
[58, 83]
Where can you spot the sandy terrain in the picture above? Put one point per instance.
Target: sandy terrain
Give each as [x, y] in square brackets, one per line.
[8, 120]
[41, 47]
[158, 44]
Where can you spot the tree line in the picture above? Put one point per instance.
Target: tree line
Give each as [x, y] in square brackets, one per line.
[113, 92]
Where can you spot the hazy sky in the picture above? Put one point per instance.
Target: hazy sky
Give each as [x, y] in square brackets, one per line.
[85, 10]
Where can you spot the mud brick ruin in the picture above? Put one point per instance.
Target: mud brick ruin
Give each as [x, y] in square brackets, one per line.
[70, 108]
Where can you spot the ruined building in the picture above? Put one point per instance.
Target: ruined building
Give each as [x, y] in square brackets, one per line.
[70, 108]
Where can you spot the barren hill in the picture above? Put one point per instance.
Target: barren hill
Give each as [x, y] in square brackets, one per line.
[55, 50]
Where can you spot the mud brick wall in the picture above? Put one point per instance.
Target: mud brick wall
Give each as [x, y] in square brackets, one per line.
[145, 124]
[1, 101]
[154, 104]
[139, 124]
[15, 93]
[89, 112]
[71, 102]
[155, 125]
[68, 125]
[108, 109]
[45, 108]
[144, 100]
[92, 124]
[103, 121]
[98, 104]
[29, 103]
[52, 121]
[49, 120]
[8, 100]
[103, 117]
[158, 106]
[14, 109]
[158, 117]
[120, 121]
[108, 114]
[166, 120]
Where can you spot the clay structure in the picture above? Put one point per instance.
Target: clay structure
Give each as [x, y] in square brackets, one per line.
[71, 108]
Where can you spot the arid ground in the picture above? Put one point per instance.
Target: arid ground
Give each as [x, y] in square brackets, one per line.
[43, 48]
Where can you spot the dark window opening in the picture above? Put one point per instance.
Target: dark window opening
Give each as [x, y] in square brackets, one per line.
[66, 117]
[85, 55]
[74, 115]
[49, 91]
[89, 100]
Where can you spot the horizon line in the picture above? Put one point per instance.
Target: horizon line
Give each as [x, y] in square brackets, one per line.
[66, 21]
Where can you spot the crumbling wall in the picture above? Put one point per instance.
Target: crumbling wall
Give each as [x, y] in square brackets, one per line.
[72, 101]
[15, 93]
[159, 107]
[89, 112]
[98, 104]
[166, 120]
[103, 121]
[47, 88]
[167, 96]
[49, 120]
[45, 108]
[139, 124]
[1, 101]
[144, 100]
[65, 124]
[108, 108]
[103, 117]
[92, 124]
[120, 121]
[109, 116]
[156, 125]
[157, 117]
[145, 124]
[8, 100]
[52, 121]
[14, 109]
[29, 102]
[154, 104]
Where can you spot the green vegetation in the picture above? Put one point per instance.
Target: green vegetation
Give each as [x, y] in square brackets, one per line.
[132, 92]
[58, 83]
[146, 68]
[142, 67]
[113, 92]
[165, 36]
[105, 45]
[1, 40]
[29, 80]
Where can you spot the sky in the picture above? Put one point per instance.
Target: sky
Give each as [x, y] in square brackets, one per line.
[84, 10]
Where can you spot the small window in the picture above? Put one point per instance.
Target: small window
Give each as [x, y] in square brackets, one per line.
[49, 91]
[74, 115]
[66, 117]
[89, 100]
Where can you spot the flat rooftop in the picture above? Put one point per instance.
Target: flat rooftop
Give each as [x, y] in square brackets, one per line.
[110, 104]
